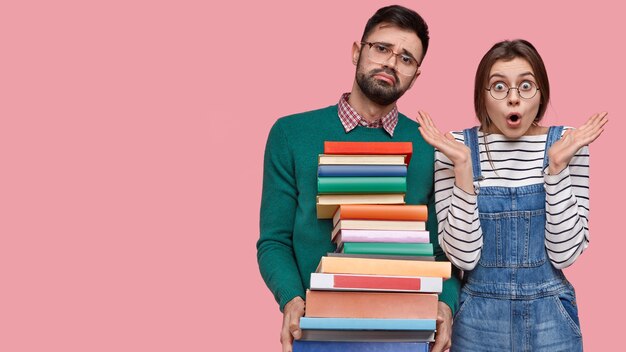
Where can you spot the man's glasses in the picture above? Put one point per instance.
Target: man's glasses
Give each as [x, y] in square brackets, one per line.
[380, 53]
[526, 90]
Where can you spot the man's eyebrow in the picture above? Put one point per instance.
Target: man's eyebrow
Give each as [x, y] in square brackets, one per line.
[384, 43]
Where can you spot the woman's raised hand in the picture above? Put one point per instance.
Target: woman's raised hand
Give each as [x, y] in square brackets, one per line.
[562, 151]
[458, 153]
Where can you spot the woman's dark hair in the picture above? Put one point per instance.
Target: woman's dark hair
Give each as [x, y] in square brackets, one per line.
[508, 50]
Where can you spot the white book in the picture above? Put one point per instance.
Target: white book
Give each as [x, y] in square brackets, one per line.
[378, 225]
[394, 236]
[383, 283]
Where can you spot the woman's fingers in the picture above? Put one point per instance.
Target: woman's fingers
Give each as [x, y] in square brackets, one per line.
[428, 121]
[596, 120]
[591, 130]
[445, 143]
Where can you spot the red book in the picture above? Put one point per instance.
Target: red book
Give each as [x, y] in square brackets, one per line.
[371, 148]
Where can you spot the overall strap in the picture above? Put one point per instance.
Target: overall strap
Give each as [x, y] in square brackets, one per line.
[471, 140]
[554, 134]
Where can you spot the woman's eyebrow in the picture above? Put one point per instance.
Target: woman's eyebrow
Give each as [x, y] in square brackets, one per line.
[500, 75]
[528, 73]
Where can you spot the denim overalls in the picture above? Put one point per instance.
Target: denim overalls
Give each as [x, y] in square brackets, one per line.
[514, 299]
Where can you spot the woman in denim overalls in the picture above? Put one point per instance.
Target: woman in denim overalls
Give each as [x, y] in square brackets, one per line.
[516, 298]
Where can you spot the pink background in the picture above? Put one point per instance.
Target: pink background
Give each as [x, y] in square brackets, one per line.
[131, 148]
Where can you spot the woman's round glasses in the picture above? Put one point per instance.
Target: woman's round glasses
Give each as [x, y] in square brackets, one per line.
[500, 90]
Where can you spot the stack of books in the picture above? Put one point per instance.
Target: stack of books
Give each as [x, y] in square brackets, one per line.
[371, 304]
[374, 229]
[361, 173]
[378, 291]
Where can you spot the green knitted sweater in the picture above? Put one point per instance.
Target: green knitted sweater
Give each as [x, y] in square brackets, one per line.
[292, 239]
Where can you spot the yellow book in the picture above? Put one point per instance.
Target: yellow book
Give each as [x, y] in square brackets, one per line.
[368, 266]
[327, 204]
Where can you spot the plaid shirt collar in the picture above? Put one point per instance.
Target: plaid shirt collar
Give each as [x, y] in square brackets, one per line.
[350, 118]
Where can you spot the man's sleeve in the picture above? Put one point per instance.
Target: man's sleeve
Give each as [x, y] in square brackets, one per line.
[451, 286]
[275, 253]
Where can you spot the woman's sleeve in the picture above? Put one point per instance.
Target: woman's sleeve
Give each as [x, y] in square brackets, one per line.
[459, 232]
[567, 211]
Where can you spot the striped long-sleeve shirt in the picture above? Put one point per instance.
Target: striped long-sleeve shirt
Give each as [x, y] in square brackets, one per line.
[514, 163]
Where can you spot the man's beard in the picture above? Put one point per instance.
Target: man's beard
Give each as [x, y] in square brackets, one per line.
[378, 91]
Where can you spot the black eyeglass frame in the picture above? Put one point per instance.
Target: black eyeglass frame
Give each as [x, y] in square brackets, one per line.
[516, 88]
[371, 44]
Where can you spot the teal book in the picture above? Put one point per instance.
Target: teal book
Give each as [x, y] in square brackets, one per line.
[388, 248]
[361, 185]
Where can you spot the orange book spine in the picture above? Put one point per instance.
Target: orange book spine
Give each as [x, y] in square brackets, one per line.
[367, 266]
[396, 305]
[382, 212]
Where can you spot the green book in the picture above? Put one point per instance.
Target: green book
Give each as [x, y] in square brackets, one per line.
[361, 184]
[383, 248]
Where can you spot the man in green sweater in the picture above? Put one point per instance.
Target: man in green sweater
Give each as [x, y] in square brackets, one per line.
[292, 239]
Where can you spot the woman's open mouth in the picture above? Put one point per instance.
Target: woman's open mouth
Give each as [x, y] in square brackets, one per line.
[514, 120]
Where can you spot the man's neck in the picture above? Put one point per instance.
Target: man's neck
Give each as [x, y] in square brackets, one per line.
[365, 107]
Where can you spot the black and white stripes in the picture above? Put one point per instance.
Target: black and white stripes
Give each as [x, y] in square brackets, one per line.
[514, 163]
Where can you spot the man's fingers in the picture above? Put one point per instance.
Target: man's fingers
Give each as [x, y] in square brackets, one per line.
[442, 343]
[286, 339]
[439, 346]
[287, 347]
[442, 339]
[436, 347]
[294, 328]
[294, 309]
[285, 334]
